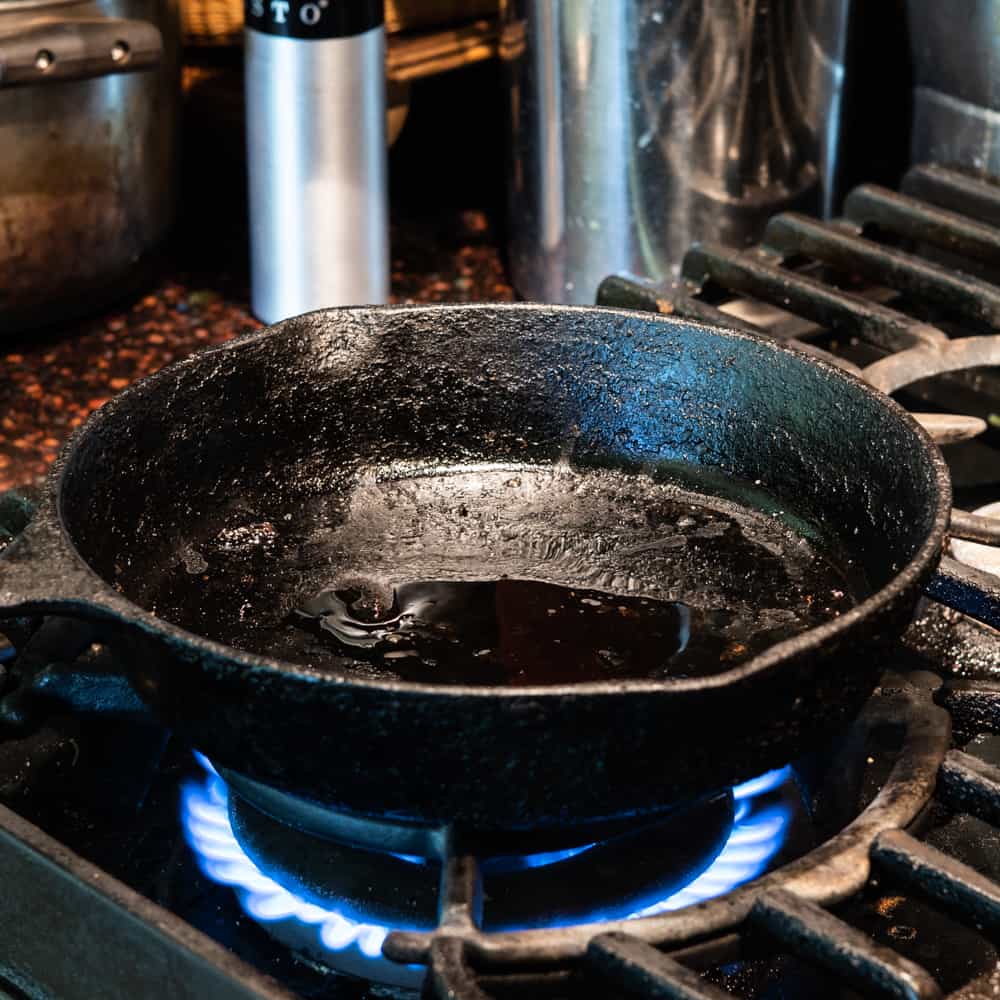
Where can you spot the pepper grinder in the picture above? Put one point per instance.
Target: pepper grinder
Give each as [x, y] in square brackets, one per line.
[317, 155]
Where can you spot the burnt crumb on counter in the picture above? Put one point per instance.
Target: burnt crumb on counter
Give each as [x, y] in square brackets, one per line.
[53, 380]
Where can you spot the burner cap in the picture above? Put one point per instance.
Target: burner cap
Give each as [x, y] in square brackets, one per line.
[621, 874]
[388, 836]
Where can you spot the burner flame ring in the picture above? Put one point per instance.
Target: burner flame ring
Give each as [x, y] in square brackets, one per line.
[757, 835]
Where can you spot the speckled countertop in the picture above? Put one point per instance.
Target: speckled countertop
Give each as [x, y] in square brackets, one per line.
[51, 382]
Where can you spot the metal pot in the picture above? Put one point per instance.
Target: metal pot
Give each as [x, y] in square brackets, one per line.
[956, 100]
[88, 107]
[641, 126]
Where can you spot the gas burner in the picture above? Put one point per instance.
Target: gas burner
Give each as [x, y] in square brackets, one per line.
[787, 903]
[338, 903]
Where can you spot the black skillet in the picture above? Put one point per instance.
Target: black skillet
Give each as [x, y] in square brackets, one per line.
[319, 404]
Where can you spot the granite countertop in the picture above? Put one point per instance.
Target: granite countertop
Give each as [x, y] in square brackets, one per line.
[52, 381]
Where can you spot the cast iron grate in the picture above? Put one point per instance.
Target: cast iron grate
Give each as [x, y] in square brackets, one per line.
[660, 956]
[898, 303]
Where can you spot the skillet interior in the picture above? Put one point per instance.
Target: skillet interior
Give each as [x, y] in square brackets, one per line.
[315, 411]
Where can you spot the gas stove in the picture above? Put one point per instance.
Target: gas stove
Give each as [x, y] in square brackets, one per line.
[133, 866]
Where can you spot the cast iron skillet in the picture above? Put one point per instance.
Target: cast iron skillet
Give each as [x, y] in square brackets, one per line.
[317, 402]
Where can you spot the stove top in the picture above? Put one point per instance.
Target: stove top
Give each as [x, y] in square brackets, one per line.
[131, 866]
[145, 881]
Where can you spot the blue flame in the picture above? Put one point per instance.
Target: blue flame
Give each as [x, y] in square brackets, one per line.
[756, 837]
[757, 834]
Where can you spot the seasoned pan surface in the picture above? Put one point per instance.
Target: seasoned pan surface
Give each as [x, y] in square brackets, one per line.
[604, 452]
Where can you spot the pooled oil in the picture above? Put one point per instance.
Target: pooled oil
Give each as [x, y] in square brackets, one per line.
[526, 632]
[511, 576]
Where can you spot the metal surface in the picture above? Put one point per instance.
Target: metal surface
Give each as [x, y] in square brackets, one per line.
[632, 963]
[977, 198]
[956, 60]
[950, 428]
[871, 205]
[829, 874]
[975, 705]
[643, 971]
[47, 49]
[87, 172]
[975, 527]
[630, 293]
[318, 172]
[972, 786]
[641, 126]
[849, 252]
[654, 861]
[656, 956]
[401, 838]
[109, 940]
[687, 393]
[778, 912]
[954, 886]
[944, 208]
[913, 348]
[412, 57]
[811, 933]
[968, 590]
[974, 538]
[643, 958]
[908, 366]
[760, 274]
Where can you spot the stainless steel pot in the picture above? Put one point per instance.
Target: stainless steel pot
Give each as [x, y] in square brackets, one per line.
[956, 100]
[640, 126]
[88, 108]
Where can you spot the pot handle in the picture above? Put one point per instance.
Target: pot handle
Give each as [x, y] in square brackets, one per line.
[972, 591]
[40, 575]
[47, 49]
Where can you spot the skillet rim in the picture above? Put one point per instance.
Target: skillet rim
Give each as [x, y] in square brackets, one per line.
[911, 576]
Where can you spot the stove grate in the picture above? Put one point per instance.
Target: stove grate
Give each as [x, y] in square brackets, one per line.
[902, 319]
[787, 910]
[457, 951]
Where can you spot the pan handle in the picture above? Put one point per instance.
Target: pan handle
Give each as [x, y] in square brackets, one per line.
[40, 574]
[966, 589]
[972, 591]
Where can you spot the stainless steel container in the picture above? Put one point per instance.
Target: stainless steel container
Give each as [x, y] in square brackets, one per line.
[317, 155]
[956, 60]
[88, 101]
[641, 125]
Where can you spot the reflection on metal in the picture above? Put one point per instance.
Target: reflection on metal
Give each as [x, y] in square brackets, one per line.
[758, 833]
[976, 553]
[899, 370]
[642, 125]
[950, 428]
[317, 172]
[412, 57]
[956, 61]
